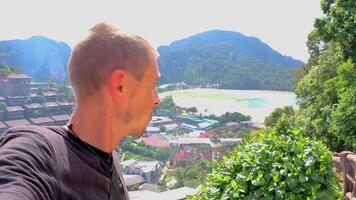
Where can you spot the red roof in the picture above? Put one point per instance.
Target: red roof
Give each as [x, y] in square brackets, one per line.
[156, 142]
[204, 135]
[183, 155]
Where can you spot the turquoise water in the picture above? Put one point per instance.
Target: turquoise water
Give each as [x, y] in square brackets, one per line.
[256, 103]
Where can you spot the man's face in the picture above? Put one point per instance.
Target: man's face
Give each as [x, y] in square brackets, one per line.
[142, 100]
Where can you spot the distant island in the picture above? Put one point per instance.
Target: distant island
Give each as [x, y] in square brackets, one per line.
[228, 59]
[220, 59]
[39, 57]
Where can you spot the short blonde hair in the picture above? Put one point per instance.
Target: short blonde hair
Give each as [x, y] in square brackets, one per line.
[103, 51]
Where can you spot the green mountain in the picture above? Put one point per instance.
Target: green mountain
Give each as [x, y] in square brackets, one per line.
[38, 56]
[231, 59]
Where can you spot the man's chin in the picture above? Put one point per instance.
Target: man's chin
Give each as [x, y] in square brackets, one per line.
[137, 133]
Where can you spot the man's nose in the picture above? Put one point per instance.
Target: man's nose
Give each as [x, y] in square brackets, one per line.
[156, 100]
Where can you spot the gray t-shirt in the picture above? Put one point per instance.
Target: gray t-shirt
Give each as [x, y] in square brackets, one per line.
[51, 163]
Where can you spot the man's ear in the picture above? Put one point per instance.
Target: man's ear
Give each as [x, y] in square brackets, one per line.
[116, 84]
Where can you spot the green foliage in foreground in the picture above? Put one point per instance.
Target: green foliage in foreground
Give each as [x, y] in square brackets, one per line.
[326, 85]
[192, 174]
[274, 167]
[273, 118]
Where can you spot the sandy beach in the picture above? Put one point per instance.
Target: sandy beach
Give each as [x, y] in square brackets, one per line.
[256, 103]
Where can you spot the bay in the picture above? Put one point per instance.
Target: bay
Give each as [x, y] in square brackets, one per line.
[256, 103]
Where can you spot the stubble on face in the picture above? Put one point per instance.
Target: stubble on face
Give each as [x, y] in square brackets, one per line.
[128, 119]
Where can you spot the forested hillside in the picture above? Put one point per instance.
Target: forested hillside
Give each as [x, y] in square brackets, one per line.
[231, 59]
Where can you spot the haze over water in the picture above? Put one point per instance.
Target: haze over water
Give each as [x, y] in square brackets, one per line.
[256, 103]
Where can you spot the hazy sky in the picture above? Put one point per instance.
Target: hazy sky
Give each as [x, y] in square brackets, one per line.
[283, 24]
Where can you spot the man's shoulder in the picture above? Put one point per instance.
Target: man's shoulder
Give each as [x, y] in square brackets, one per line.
[27, 163]
[41, 130]
[33, 132]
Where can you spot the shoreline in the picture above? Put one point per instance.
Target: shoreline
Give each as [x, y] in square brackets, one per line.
[256, 103]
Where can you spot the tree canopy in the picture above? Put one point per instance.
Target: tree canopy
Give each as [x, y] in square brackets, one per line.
[326, 92]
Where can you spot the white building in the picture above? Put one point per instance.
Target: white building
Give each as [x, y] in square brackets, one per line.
[230, 141]
[195, 134]
[191, 141]
[176, 194]
[150, 170]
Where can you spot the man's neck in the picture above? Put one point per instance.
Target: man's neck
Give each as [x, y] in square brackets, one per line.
[93, 126]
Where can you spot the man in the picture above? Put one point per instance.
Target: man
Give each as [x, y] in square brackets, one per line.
[114, 80]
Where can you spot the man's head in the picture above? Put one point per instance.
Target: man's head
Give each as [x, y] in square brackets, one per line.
[121, 70]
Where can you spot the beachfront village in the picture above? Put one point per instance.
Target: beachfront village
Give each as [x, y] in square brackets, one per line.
[172, 158]
[179, 148]
[23, 102]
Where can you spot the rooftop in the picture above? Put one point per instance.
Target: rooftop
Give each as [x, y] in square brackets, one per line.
[50, 104]
[156, 142]
[232, 124]
[170, 127]
[183, 155]
[258, 125]
[14, 108]
[246, 122]
[231, 140]
[204, 135]
[131, 179]
[41, 120]
[33, 95]
[175, 194]
[204, 125]
[18, 122]
[49, 94]
[33, 105]
[194, 119]
[143, 195]
[144, 166]
[15, 97]
[152, 129]
[18, 76]
[65, 103]
[40, 83]
[60, 117]
[195, 133]
[188, 126]
[160, 119]
[192, 141]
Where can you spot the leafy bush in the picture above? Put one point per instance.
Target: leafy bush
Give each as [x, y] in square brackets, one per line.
[273, 118]
[274, 167]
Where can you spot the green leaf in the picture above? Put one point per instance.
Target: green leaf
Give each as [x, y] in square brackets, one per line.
[233, 184]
